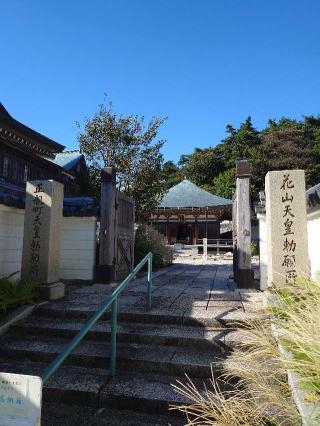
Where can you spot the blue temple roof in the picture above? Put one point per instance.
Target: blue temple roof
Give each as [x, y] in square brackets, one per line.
[67, 159]
[14, 196]
[187, 194]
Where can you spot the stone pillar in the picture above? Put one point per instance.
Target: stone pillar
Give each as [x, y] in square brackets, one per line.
[286, 222]
[42, 237]
[105, 272]
[244, 274]
[205, 249]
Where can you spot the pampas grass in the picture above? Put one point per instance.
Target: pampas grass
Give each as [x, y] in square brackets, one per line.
[256, 371]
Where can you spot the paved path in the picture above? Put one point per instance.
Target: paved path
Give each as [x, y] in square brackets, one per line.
[190, 287]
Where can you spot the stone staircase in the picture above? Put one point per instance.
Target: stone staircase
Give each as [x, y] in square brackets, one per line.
[193, 325]
[153, 350]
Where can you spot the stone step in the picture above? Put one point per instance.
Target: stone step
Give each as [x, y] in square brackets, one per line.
[144, 392]
[89, 387]
[213, 316]
[66, 415]
[168, 360]
[158, 334]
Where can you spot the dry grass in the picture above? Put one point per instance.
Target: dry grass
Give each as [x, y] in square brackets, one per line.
[298, 322]
[261, 395]
[216, 407]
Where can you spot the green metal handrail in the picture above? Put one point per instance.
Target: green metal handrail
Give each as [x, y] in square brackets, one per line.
[113, 303]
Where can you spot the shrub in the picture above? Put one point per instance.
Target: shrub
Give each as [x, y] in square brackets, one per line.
[254, 248]
[15, 293]
[148, 239]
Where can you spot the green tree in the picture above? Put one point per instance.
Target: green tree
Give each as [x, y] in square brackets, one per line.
[128, 145]
[240, 144]
[171, 174]
[289, 144]
[202, 165]
[224, 184]
[214, 168]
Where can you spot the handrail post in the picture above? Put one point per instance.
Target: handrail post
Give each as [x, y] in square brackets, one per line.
[149, 282]
[113, 340]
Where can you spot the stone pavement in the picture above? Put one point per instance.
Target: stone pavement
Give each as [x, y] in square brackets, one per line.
[189, 288]
[196, 312]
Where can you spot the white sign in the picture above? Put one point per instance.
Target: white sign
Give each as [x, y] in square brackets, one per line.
[20, 400]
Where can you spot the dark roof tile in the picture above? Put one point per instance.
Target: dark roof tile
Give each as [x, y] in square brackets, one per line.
[187, 194]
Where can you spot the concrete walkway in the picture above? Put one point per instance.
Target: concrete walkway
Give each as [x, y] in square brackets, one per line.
[191, 288]
[188, 286]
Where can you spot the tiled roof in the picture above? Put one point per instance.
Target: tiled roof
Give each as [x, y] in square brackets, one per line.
[14, 196]
[67, 159]
[8, 120]
[187, 194]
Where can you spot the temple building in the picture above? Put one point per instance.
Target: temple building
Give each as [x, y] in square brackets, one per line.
[188, 214]
[26, 154]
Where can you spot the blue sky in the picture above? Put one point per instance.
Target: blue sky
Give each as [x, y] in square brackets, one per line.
[202, 63]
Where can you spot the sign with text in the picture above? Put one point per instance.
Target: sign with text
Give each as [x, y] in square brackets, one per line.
[20, 399]
[287, 237]
[42, 229]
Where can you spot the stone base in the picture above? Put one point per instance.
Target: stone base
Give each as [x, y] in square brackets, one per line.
[52, 291]
[245, 278]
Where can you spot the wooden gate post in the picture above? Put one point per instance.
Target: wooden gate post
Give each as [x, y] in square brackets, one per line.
[244, 274]
[105, 272]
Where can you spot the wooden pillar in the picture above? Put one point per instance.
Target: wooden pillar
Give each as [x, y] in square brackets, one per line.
[196, 230]
[105, 272]
[168, 232]
[244, 274]
[206, 224]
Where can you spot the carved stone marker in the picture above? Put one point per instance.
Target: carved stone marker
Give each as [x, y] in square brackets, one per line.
[287, 237]
[20, 400]
[42, 236]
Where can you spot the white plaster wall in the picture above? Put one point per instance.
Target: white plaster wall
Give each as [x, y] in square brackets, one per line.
[77, 250]
[314, 243]
[11, 237]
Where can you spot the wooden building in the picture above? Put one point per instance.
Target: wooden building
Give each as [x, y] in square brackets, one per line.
[28, 155]
[188, 213]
